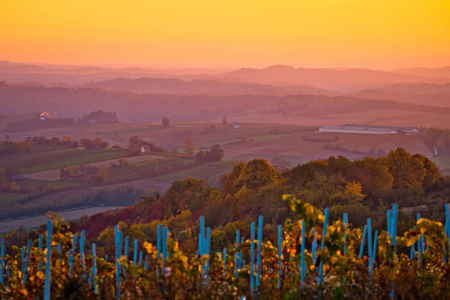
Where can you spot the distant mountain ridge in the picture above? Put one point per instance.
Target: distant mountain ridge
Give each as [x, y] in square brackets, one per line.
[329, 79]
[291, 109]
[443, 72]
[335, 79]
[419, 93]
[197, 86]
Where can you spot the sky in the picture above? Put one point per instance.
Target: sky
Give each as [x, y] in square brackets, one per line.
[378, 34]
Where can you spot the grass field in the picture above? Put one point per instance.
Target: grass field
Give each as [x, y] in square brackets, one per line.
[54, 174]
[269, 137]
[36, 186]
[58, 158]
[6, 198]
[443, 164]
[132, 131]
[211, 172]
[140, 170]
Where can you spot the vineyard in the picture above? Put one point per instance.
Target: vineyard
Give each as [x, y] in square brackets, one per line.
[310, 259]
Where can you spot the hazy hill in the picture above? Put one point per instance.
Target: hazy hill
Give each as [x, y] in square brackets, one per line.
[443, 72]
[342, 80]
[62, 75]
[293, 109]
[429, 94]
[331, 79]
[192, 87]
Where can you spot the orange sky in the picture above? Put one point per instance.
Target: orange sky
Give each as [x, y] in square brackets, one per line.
[234, 33]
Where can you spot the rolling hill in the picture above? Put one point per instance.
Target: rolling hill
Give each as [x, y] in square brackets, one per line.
[193, 87]
[331, 79]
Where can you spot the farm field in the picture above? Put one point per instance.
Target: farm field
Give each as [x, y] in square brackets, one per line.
[371, 117]
[211, 172]
[54, 174]
[283, 145]
[35, 221]
[443, 163]
[148, 184]
[49, 159]
[268, 140]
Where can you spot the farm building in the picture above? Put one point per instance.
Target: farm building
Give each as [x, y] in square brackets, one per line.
[145, 148]
[360, 129]
[46, 115]
[236, 126]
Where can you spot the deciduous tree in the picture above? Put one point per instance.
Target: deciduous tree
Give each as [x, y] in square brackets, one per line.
[189, 146]
[165, 122]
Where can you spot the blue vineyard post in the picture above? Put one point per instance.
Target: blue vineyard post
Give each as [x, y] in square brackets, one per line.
[252, 259]
[48, 262]
[280, 238]
[322, 246]
[260, 234]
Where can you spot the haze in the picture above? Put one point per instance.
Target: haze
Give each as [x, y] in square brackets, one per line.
[234, 33]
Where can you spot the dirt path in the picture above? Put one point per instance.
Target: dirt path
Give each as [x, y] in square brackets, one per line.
[53, 175]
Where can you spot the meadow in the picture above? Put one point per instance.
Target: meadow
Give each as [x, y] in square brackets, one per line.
[46, 158]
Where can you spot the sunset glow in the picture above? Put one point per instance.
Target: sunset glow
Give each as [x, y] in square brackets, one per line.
[370, 33]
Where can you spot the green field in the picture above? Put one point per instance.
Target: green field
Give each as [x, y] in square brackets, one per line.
[6, 198]
[34, 186]
[57, 158]
[443, 164]
[140, 170]
[210, 172]
[132, 131]
[269, 137]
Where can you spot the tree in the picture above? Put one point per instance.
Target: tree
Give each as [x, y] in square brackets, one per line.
[165, 122]
[70, 172]
[87, 143]
[174, 149]
[217, 153]
[98, 141]
[123, 162]
[135, 140]
[200, 156]
[104, 145]
[189, 146]
[373, 176]
[66, 139]
[133, 150]
[432, 173]
[23, 146]
[257, 173]
[224, 121]
[408, 171]
[54, 141]
[14, 187]
[229, 180]
[352, 193]
[101, 177]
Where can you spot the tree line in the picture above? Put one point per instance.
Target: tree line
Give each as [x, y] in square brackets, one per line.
[362, 188]
[98, 116]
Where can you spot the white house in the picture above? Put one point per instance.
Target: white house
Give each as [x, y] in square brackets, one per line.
[45, 115]
[145, 148]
